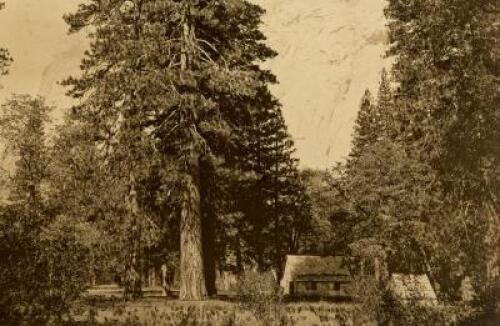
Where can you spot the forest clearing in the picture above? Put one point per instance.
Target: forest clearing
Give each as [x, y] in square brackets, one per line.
[165, 187]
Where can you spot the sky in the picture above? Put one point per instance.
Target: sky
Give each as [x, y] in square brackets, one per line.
[330, 51]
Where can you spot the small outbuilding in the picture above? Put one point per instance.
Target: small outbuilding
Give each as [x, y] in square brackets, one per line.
[316, 276]
[414, 289]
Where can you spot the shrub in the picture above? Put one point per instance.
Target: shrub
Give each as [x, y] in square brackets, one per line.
[261, 294]
[43, 269]
[487, 306]
[377, 306]
[415, 314]
[370, 298]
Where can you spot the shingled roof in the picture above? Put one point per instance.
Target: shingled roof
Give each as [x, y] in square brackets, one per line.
[298, 267]
[413, 288]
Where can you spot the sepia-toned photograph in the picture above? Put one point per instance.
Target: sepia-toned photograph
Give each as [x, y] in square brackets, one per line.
[250, 162]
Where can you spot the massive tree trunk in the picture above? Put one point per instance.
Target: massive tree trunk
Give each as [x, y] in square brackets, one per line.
[208, 241]
[192, 273]
[207, 188]
[192, 285]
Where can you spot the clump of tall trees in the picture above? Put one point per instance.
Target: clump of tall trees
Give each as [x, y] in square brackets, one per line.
[173, 91]
[45, 253]
[419, 190]
[275, 198]
[176, 150]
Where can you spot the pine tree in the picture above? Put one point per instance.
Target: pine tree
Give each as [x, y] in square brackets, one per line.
[180, 73]
[384, 95]
[378, 197]
[23, 130]
[385, 108]
[275, 204]
[284, 194]
[375, 120]
[365, 127]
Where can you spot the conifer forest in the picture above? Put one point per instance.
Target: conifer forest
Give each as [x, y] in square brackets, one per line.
[166, 187]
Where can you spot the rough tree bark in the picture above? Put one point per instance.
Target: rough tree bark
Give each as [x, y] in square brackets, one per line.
[193, 286]
[192, 276]
[192, 280]
[208, 224]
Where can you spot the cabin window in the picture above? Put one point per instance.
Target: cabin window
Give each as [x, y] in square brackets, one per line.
[311, 286]
[336, 286]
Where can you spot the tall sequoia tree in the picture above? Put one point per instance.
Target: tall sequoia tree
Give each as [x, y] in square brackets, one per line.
[180, 73]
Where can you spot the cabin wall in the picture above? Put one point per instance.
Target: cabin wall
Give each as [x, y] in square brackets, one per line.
[320, 288]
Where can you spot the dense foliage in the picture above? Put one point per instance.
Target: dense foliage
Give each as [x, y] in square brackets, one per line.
[419, 191]
[172, 90]
[45, 257]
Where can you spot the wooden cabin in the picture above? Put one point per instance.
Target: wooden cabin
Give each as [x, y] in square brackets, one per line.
[315, 276]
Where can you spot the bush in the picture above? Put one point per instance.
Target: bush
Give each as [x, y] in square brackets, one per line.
[369, 297]
[415, 314]
[261, 294]
[487, 306]
[377, 306]
[43, 269]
